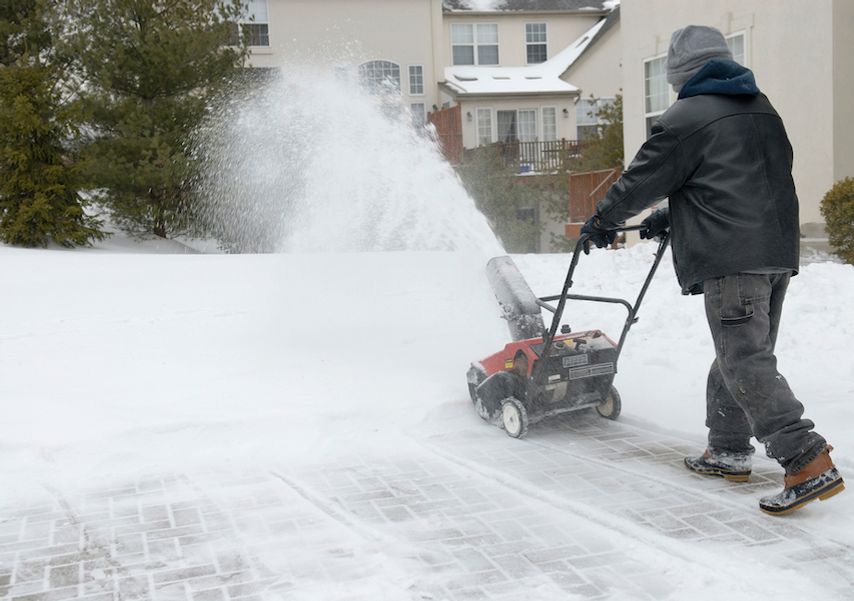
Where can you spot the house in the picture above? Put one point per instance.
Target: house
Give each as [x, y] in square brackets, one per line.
[802, 54]
[380, 41]
[516, 71]
[530, 75]
[526, 71]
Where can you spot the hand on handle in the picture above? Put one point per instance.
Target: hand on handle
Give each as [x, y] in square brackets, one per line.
[598, 233]
[655, 224]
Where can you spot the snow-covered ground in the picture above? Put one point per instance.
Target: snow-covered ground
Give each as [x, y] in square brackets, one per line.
[115, 365]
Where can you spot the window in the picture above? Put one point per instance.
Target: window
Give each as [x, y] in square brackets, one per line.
[528, 125]
[517, 126]
[587, 120]
[484, 127]
[507, 126]
[656, 95]
[253, 27]
[549, 123]
[416, 80]
[378, 76]
[419, 118]
[535, 42]
[736, 46]
[474, 44]
[526, 214]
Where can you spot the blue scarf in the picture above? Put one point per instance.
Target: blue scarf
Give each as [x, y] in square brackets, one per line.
[720, 76]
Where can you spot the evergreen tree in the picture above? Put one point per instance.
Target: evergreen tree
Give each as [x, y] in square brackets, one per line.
[152, 68]
[40, 196]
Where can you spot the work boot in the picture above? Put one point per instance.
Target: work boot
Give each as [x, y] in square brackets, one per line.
[816, 480]
[731, 466]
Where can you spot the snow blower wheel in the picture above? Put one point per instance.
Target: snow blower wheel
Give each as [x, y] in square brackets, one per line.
[514, 416]
[475, 377]
[610, 407]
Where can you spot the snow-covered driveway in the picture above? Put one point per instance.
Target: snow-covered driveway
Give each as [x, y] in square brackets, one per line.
[218, 428]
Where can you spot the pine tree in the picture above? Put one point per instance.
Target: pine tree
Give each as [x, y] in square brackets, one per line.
[152, 68]
[40, 184]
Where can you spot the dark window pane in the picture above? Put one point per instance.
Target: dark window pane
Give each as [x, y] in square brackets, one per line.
[526, 214]
[586, 132]
[233, 34]
[487, 55]
[536, 53]
[507, 126]
[256, 34]
[463, 55]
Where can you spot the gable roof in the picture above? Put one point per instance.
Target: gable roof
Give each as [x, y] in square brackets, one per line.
[543, 78]
[612, 19]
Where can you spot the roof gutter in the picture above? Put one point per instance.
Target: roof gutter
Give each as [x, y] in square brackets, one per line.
[459, 95]
[522, 13]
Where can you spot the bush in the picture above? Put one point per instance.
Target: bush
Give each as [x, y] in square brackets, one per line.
[837, 207]
[508, 201]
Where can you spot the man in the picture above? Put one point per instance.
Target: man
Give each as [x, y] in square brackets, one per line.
[722, 157]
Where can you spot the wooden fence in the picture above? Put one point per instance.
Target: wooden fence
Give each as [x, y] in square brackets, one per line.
[585, 190]
[449, 129]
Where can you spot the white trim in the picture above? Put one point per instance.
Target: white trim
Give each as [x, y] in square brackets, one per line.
[743, 34]
[543, 122]
[475, 44]
[409, 80]
[492, 124]
[422, 118]
[373, 84]
[546, 43]
[536, 122]
[650, 114]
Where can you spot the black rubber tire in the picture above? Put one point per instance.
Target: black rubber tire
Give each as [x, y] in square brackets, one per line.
[514, 417]
[474, 376]
[611, 406]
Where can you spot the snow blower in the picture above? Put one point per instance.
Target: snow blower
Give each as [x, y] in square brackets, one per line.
[543, 373]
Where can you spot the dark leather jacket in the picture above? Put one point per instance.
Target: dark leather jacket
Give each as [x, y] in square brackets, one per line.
[725, 163]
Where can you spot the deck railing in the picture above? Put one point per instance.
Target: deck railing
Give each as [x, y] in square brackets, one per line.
[539, 157]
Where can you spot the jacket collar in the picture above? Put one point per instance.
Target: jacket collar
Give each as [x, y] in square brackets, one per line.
[720, 76]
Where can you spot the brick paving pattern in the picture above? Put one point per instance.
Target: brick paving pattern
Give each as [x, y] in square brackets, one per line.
[520, 520]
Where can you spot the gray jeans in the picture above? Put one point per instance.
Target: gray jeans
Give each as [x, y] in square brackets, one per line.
[746, 395]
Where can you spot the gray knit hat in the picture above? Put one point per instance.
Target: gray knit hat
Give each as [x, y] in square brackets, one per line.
[690, 49]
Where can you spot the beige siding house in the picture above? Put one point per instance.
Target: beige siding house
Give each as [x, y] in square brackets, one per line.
[526, 69]
[518, 70]
[376, 39]
[528, 75]
[510, 67]
[802, 54]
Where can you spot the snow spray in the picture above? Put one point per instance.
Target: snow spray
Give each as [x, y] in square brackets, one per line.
[311, 162]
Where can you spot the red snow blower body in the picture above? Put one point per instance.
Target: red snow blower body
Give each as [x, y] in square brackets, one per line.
[543, 372]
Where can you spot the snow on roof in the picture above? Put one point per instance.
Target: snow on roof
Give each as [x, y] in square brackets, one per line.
[543, 78]
[527, 5]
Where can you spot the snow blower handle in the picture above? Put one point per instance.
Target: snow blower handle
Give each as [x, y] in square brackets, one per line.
[664, 240]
